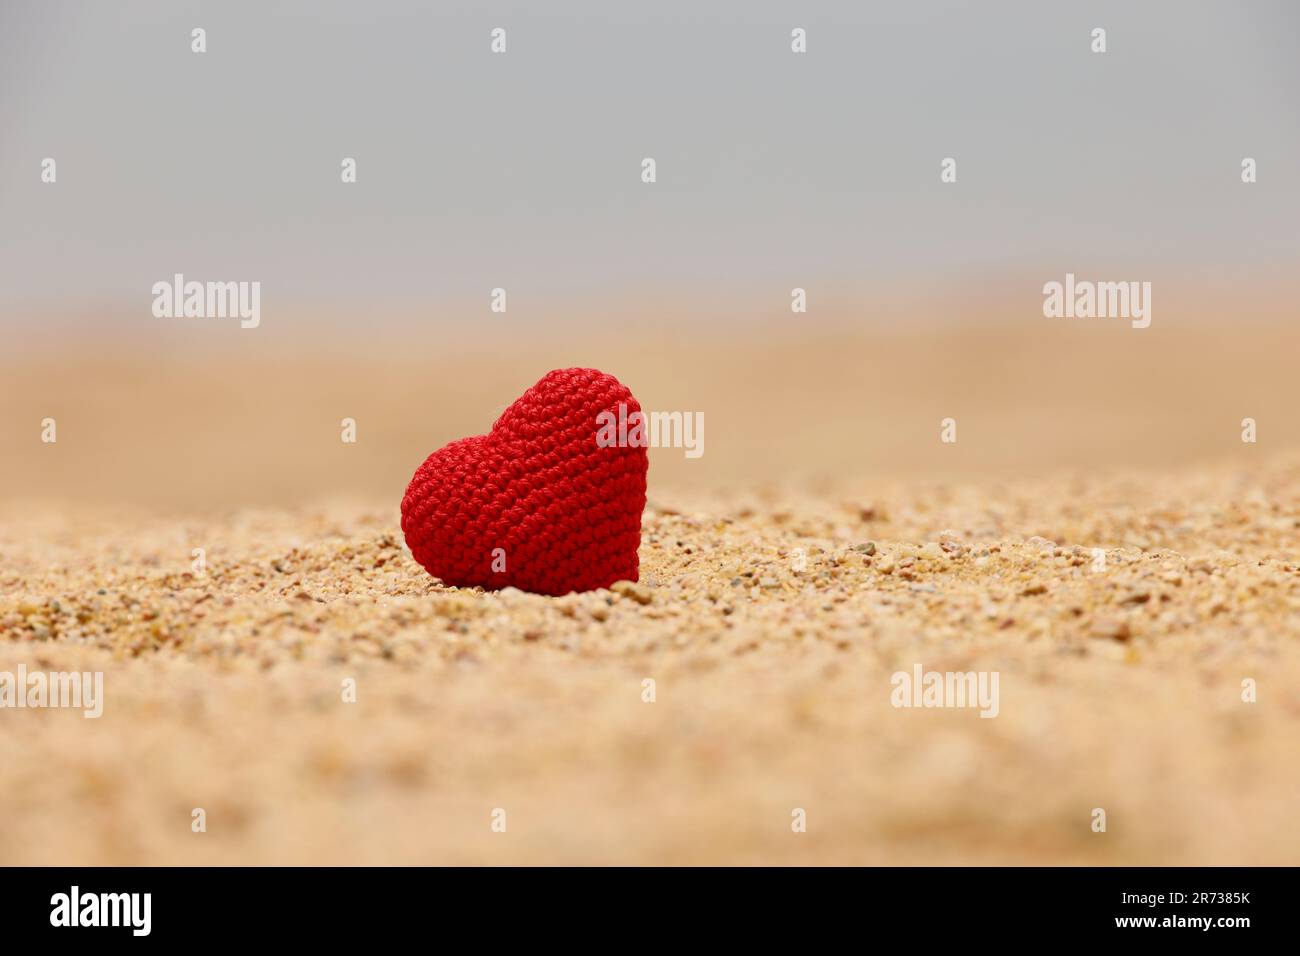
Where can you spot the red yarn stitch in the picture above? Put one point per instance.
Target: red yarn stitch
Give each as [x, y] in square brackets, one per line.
[566, 511]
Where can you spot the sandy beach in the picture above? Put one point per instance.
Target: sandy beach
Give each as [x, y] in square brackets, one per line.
[1123, 573]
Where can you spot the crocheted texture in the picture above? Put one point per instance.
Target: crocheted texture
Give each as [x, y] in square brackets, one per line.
[564, 512]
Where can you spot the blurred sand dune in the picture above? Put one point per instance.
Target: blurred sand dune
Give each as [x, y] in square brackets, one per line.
[245, 419]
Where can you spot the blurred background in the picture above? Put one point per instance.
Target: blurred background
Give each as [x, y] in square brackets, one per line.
[522, 170]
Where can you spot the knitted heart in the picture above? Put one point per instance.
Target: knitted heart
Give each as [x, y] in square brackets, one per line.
[536, 503]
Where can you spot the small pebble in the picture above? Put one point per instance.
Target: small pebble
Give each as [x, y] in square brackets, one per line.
[633, 591]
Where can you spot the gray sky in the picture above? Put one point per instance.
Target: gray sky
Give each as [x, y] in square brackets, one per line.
[522, 170]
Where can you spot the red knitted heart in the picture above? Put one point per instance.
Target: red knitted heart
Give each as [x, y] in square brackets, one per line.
[564, 511]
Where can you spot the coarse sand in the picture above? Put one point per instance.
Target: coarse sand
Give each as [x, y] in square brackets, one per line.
[1122, 611]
